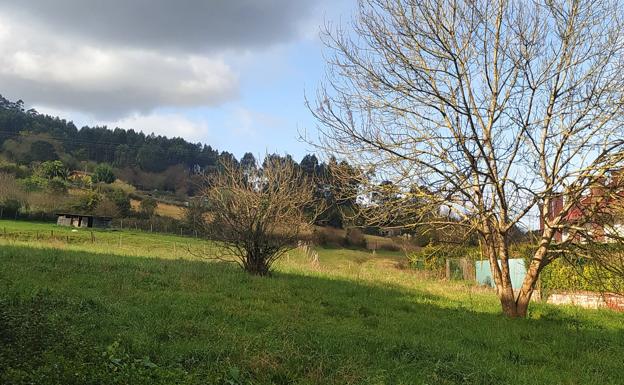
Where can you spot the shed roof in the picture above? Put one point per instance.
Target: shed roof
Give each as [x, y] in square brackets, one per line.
[83, 216]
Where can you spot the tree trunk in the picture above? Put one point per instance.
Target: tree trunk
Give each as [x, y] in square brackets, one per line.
[530, 280]
[508, 302]
[497, 250]
[256, 265]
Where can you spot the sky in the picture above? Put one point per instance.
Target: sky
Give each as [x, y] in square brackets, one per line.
[229, 73]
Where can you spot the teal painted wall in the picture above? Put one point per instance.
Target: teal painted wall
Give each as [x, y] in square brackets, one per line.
[517, 271]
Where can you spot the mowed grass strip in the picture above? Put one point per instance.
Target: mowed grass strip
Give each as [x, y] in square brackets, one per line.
[80, 317]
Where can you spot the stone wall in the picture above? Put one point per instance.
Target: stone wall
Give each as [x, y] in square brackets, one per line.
[589, 300]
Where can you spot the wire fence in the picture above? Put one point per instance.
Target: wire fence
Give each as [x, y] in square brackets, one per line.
[114, 241]
[155, 224]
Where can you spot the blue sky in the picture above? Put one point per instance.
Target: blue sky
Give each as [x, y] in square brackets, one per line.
[271, 108]
[229, 74]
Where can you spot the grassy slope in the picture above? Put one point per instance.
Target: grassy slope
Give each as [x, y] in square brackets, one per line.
[99, 313]
[163, 209]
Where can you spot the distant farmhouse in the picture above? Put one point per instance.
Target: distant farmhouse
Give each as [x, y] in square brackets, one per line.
[83, 221]
[600, 212]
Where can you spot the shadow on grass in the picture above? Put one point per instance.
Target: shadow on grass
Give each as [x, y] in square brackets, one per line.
[75, 317]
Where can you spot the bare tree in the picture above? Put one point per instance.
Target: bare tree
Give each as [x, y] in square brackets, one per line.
[497, 107]
[256, 215]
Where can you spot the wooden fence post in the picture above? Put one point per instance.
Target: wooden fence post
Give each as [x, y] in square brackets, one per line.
[92, 237]
[448, 269]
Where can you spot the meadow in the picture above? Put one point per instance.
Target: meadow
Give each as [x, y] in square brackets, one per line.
[128, 307]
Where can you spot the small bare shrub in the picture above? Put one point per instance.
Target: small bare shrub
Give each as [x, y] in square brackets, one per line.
[328, 237]
[258, 215]
[355, 238]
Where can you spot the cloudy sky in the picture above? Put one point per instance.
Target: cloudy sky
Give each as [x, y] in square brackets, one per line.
[230, 73]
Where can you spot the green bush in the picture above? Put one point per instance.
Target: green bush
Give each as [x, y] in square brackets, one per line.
[121, 200]
[148, 206]
[10, 208]
[195, 215]
[433, 257]
[52, 169]
[103, 174]
[561, 275]
[14, 169]
[85, 203]
[34, 183]
[57, 185]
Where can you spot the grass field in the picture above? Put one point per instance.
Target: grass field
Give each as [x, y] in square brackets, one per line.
[163, 209]
[94, 310]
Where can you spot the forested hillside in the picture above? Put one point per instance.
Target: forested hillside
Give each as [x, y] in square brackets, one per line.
[146, 161]
[27, 136]
[41, 155]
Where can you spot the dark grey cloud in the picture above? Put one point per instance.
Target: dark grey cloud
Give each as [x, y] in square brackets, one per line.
[174, 25]
[107, 83]
[112, 59]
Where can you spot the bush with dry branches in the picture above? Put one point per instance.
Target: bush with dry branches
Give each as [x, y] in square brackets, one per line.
[256, 215]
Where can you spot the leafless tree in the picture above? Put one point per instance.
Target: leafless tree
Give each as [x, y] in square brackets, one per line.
[256, 215]
[495, 106]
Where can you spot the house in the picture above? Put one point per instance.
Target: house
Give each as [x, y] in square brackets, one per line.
[83, 221]
[600, 212]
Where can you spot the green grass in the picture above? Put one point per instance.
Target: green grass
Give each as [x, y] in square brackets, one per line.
[98, 313]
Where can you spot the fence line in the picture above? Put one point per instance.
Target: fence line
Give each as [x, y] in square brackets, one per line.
[78, 237]
[157, 224]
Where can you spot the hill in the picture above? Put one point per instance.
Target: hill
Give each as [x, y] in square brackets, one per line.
[27, 136]
[171, 170]
[77, 312]
[146, 161]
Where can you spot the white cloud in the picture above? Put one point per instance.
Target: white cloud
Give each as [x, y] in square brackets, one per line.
[170, 124]
[167, 124]
[107, 82]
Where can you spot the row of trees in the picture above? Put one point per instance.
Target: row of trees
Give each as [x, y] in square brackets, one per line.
[148, 162]
[29, 136]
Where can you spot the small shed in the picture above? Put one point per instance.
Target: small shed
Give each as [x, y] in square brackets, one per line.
[83, 221]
